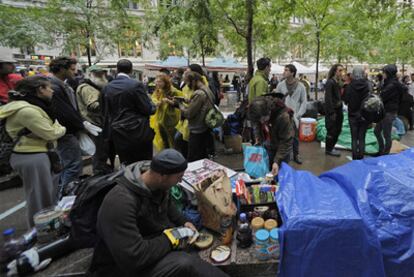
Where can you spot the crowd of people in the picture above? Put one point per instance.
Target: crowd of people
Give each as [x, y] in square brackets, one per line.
[48, 113]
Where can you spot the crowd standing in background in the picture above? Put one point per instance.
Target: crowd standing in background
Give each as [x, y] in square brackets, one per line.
[49, 113]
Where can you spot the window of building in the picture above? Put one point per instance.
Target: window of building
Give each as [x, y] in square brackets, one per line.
[131, 48]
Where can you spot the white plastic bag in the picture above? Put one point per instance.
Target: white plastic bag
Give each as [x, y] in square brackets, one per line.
[86, 145]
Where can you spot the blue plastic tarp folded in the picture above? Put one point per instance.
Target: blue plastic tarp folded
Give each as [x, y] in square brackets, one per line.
[355, 220]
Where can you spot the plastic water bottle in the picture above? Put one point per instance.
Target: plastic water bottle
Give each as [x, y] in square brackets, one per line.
[10, 250]
[244, 234]
[28, 239]
[243, 221]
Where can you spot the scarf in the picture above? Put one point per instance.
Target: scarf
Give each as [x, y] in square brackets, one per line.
[291, 87]
[45, 105]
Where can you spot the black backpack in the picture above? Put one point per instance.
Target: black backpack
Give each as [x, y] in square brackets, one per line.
[7, 143]
[84, 212]
[372, 109]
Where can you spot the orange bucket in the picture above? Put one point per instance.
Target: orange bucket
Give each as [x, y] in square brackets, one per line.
[307, 129]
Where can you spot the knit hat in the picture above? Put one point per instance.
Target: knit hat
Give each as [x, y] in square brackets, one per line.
[95, 68]
[358, 72]
[168, 161]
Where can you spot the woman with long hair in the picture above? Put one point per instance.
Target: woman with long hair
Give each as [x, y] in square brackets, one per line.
[166, 116]
[30, 110]
[201, 101]
[182, 136]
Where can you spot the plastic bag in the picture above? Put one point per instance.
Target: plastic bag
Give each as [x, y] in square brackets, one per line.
[256, 161]
[86, 145]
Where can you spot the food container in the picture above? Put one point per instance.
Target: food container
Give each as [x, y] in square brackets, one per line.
[262, 244]
[270, 224]
[274, 246]
[48, 224]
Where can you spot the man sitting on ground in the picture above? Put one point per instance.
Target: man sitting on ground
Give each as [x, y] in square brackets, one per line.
[137, 224]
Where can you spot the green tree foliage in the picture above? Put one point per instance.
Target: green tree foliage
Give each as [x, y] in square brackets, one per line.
[92, 24]
[184, 27]
[23, 28]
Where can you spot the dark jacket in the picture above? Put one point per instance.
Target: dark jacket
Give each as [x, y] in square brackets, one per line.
[281, 127]
[406, 104]
[333, 99]
[128, 95]
[130, 226]
[64, 109]
[391, 94]
[355, 93]
[197, 110]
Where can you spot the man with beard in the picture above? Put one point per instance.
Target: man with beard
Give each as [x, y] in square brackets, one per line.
[67, 113]
[89, 99]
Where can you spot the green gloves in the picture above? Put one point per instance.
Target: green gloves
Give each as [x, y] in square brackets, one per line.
[180, 237]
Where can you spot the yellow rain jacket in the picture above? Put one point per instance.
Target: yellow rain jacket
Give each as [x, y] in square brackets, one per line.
[166, 116]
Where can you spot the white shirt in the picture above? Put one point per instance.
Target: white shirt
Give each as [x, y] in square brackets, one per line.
[123, 74]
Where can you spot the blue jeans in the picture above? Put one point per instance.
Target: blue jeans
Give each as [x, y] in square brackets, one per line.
[71, 158]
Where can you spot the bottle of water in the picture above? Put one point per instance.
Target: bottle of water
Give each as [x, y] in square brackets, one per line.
[10, 250]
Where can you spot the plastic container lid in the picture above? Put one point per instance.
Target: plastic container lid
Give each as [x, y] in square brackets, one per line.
[274, 234]
[8, 232]
[257, 223]
[243, 217]
[270, 224]
[307, 120]
[262, 235]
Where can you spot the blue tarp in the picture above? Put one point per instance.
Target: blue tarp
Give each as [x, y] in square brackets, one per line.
[355, 220]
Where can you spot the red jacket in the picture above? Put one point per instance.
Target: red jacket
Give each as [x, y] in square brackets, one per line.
[7, 84]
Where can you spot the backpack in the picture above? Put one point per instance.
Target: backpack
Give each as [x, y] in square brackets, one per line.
[372, 109]
[214, 118]
[84, 212]
[7, 143]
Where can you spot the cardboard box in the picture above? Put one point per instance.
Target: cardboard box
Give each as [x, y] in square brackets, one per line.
[234, 143]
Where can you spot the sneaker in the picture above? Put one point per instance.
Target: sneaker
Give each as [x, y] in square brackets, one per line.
[297, 159]
[333, 152]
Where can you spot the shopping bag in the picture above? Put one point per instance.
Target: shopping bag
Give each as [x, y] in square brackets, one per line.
[256, 161]
[214, 197]
[86, 144]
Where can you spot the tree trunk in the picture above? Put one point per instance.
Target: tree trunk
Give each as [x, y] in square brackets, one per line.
[403, 70]
[318, 50]
[202, 52]
[88, 49]
[88, 34]
[249, 38]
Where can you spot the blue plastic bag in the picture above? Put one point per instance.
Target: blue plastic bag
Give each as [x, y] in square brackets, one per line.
[256, 161]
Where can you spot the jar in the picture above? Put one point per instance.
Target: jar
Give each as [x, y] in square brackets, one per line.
[270, 224]
[274, 246]
[257, 223]
[261, 244]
